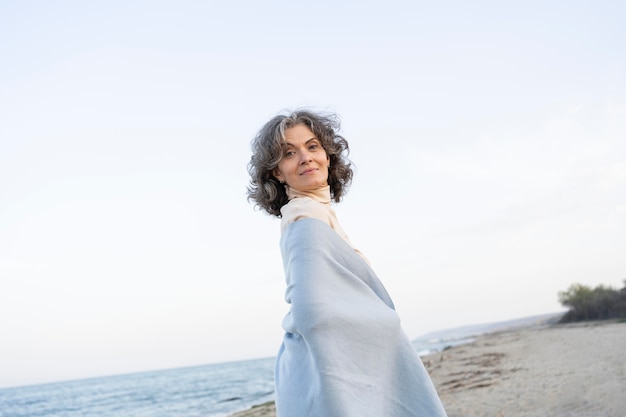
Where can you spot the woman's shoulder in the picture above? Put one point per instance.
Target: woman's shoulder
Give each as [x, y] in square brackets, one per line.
[304, 208]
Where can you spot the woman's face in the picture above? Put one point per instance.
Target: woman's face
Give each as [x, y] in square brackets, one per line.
[304, 165]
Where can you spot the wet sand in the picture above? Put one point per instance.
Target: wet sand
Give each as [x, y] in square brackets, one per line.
[574, 370]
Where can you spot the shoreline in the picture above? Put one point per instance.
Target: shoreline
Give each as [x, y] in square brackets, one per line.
[574, 369]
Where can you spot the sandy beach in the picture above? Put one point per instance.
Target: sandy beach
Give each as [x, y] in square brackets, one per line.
[573, 370]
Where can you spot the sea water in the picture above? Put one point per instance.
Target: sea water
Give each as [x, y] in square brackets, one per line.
[202, 391]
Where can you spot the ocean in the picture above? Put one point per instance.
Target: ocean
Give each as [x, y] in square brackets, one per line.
[203, 391]
[216, 390]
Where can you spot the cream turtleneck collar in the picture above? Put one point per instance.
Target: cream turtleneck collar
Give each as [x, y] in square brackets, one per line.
[316, 206]
[321, 194]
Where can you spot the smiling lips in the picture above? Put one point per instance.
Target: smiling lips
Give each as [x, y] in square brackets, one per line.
[308, 171]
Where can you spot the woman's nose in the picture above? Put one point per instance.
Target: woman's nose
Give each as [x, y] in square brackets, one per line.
[305, 156]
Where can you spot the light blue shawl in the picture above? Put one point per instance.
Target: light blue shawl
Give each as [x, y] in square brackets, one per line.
[344, 353]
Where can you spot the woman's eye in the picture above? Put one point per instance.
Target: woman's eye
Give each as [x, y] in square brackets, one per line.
[289, 153]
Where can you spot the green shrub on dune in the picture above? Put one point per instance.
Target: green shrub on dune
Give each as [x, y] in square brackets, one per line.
[586, 303]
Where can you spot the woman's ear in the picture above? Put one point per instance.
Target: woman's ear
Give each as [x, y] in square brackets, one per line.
[276, 173]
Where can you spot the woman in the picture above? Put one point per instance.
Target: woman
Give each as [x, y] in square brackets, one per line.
[344, 353]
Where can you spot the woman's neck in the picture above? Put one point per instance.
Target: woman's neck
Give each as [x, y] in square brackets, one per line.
[321, 194]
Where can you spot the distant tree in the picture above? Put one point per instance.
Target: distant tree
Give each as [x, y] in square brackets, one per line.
[599, 303]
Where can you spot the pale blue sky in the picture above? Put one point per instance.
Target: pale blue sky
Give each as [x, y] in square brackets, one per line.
[488, 141]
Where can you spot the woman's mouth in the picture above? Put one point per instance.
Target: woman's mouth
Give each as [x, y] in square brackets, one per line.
[308, 171]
